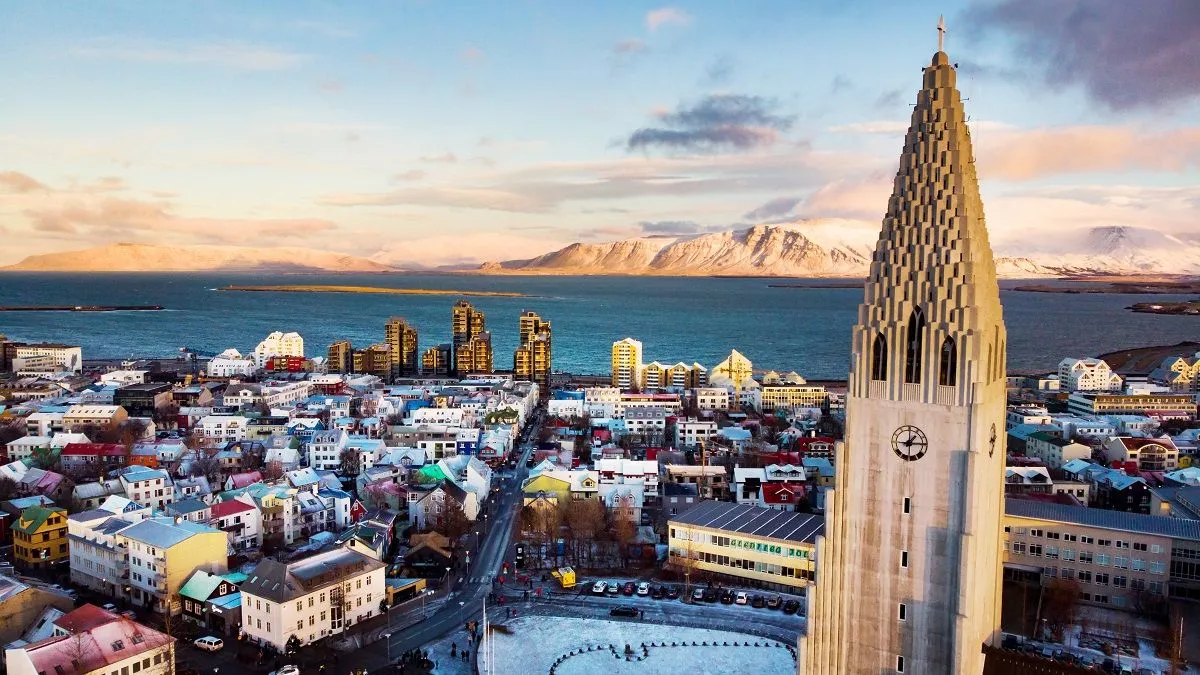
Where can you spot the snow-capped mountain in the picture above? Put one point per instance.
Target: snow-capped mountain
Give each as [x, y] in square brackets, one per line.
[809, 248]
[1122, 250]
[151, 258]
[843, 248]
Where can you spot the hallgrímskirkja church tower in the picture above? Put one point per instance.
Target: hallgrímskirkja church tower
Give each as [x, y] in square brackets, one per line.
[908, 575]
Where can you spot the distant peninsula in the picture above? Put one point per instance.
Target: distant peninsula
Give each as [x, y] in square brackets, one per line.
[81, 308]
[1190, 308]
[371, 289]
[1147, 287]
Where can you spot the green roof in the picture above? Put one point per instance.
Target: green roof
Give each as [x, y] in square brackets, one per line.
[431, 473]
[201, 585]
[33, 518]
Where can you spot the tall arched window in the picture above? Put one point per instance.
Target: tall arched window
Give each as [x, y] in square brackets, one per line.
[879, 358]
[948, 363]
[912, 348]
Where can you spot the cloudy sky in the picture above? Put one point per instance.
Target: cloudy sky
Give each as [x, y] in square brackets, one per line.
[438, 131]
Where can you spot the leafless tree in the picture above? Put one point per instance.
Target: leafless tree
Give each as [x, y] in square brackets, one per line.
[272, 471]
[205, 463]
[585, 520]
[1060, 605]
[452, 521]
[351, 462]
[10, 431]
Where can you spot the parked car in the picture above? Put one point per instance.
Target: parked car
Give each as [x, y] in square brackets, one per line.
[726, 596]
[643, 588]
[774, 602]
[698, 595]
[287, 670]
[628, 588]
[757, 601]
[108, 606]
[613, 588]
[791, 607]
[599, 587]
[710, 595]
[742, 598]
[209, 643]
[657, 592]
[672, 592]
[623, 611]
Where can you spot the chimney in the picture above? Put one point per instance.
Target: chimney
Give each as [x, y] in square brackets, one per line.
[178, 520]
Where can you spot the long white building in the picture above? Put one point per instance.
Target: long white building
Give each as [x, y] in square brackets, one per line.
[1087, 375]
[278, 344]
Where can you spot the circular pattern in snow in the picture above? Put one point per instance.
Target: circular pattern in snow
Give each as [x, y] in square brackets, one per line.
[536, 644]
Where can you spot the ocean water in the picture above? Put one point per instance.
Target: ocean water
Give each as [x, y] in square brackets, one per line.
[677, 319]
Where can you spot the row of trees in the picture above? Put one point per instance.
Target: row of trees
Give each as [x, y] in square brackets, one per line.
[594, 536]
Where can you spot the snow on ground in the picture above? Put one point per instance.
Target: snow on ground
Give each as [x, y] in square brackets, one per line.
[537, 642]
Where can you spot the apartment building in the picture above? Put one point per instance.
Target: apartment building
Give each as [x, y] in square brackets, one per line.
[163, 553]
[98, 561]
[1053, 450]
[221, 429]
[149, 487]
[711, 481]
[34, 359]
[791, 396]
[690, 432]
[81, 418]
[1158, 406]
[310, 599]
[40, 538]
[1149, 454]
[1087, 375]
[278, 344]
[647, 422]
[626, 363]
[230, 363]
[1115, 556]
[741, 542]
[1179, 373]
[712, 398]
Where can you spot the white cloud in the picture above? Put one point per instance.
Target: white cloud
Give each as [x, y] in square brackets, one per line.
[226, 54]
[667, 16]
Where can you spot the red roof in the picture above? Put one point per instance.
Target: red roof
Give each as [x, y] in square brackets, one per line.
[85, 618]
[241, 480]
[779, 458]
[230, 507]
[805, 441]
[782, 493]
[88, 449]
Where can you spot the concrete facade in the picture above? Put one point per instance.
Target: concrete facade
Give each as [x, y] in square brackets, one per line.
[909, 575]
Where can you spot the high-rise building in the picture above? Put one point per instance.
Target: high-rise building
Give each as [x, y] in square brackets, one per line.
[532, 359]
[340, 357]
[437, 360]
[374, 360]
[466, 323]
[626, 363]
[402, 345]
[475, 355]
[908, 570]
[278, 344]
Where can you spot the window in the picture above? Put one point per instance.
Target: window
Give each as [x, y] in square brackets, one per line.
[1155, 548]
[903, 613]
[1120, 582]
[1067, 573]
[1035, 549]
[1101, 579]
[1140, 547]
[948, 364]
[1139, 565]
[1102, 559]
[1085, 577]
[907, 505]
[899, 664]
[1121, 562]
[1156, 568]
[904, 559]
[913, 347]
[1085, 557]
[300, 606]
[1018, 547]
[1035, 532]
[1084, 539]
[1068, 554]
[1104, 542]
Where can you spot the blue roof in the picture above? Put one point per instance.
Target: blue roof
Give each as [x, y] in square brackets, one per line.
[229, 601]
[329, 492]
[165, 532]
[1140, 523]
[735, 433]
[142, 473]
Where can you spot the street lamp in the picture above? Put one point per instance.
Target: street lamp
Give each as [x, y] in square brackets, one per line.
[460, 610]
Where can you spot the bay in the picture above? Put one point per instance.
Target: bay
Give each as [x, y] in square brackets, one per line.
[677, 319]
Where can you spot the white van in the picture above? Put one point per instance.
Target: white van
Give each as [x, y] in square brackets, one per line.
[209, 643]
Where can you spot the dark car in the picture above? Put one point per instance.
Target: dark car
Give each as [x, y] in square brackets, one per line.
[726, 596]
[613, 588]
[623, 611]
[628, 588]
[757, 601]
[672, 592]
[710, 595]
[774, 602]
[657, 592]
[791, 607]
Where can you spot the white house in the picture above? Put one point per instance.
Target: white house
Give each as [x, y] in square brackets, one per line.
[468, 473]
[278, 344]
[241, 520]
[325, 449]
[220, 429]
[230, 363]
[689, 432]
[150, 487]
[712, 398]
[311, 598]
[1087, 375]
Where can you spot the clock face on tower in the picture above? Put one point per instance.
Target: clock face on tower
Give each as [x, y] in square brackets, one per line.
[909, 443]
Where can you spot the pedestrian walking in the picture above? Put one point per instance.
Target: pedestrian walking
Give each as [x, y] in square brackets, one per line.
[641, 613]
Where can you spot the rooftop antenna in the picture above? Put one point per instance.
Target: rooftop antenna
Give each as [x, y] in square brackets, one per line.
[941, 28]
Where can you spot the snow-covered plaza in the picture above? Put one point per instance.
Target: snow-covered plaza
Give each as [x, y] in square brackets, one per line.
[537, 644]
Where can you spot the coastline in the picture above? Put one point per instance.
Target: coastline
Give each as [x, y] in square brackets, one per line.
[83, 308]
[366, 290]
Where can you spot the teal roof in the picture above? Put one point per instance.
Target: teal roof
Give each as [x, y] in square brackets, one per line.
[201, 585]
[229, 601]
[235, 577]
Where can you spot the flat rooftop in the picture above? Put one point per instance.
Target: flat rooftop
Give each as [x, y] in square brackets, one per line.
[754, 520]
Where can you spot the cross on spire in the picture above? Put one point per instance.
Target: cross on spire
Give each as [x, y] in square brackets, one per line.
[941, 28]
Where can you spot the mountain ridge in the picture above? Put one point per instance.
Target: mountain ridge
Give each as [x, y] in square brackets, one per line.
[131, 257]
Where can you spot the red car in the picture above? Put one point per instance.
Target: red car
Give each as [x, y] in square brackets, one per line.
[627, 589]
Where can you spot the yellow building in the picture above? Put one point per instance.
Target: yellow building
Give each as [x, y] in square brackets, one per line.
[475, 355]
[553, 487]
[742, 541]
[163, 553]
[466, 324]
[532, 359]
[401, 339]
[438, 361]
[1179, 373]
[777, 396]
[40, 538]
[626, 363]
[340, 357]
[735, 371]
